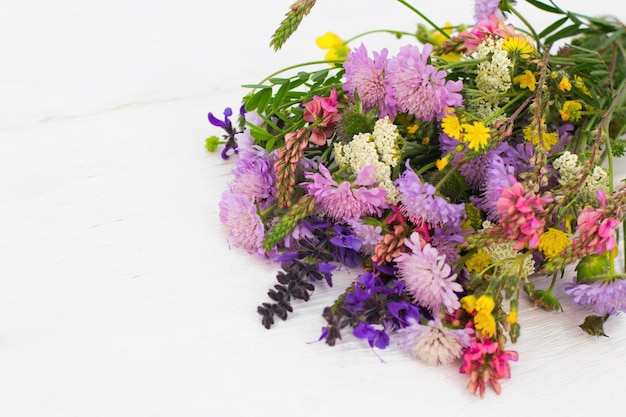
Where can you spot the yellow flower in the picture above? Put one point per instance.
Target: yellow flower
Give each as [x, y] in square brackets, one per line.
[565, 85]
[571, 110]
[553, 242]
[469, 303]
[477, 135]
[512, 317]
[579, 83]
[451, 126]
[485, 323]
[411, 129]
[479, 261]
[485, 304]
[518, 46]
[531, 134]
[337, 49]
[526, 80]
[439, 39]
[442, 163]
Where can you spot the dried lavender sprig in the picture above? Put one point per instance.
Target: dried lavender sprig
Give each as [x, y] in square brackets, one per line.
[291, 22]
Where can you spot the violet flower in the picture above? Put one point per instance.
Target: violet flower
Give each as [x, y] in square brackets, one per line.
[226, 124]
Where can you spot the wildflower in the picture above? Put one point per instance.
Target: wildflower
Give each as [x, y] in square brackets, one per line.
[427, 276]
[486, 363]
[420, 203]
[245, 227]
[386, 138]
[526, 80]
[510, 261]
[476, 134]
[571, 110]
[442, 162]
[369, 235]
[433, 344]
[579, 83]
[479, 261]
[451, 126]
[531, 134]
[553, 242]
[512, 317]
[521, 215]
[337, 48]
[227, 125]
[367, 77]
[518, 46]
[497, 176]
[323, 115]
[485, 323]
[596, 231]
[486, 8]
[254, 176]
[564, 84]
[347, 200]
[604, 296]
[419, 88]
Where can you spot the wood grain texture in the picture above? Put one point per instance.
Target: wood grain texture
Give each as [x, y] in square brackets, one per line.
[119, 295]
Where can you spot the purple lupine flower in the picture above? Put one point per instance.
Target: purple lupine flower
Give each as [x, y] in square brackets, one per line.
[226, 124]
[605, 297]
[485, 8]
[254, 176]
[427, 276]
[433, 343]
[420, 202]
[419, 88]
[346, 200]
[366, 76]
[404, 312]
[376, 337]
[246, 229]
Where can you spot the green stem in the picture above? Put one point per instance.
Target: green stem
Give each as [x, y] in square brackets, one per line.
[370, 32]
[303, 64]
[528, 25]
[420, 14]
[445, 177]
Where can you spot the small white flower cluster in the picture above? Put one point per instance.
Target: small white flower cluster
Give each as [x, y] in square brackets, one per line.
[570, 170]
[379, 148]
[509, 261]
[492, 76]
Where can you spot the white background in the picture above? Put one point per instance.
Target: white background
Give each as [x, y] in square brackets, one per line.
[119, 295]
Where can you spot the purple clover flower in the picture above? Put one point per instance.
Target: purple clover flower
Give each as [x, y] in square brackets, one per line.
[254, 176]
[367, 77]
[485, 8]
[419, 88]
[605, 297]
[246, 229]
[420, 202]
[346, 200]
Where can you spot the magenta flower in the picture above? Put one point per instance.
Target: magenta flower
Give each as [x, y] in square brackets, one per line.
[346, 200]
[323, 116]
[419, 88]
[605, 297]
[486, 362]
[246, 229]
[521, 215]
[488, 26]
[367, 77]
[427, 276]
[596, 230]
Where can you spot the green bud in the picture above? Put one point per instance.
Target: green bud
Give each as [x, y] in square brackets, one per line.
[514, 332]
[591, 266]
[211, 143]
[594, 325]
[546, 300]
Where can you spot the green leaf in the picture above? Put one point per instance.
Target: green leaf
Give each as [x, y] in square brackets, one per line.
[554, 26]
[260, 134]
[319, 75]
[256, 86]
[566, 32]
[545, 7]
[279, 80]
[304, 76]
[280, 95]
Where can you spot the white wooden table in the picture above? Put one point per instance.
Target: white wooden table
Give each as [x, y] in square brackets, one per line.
[119, 295]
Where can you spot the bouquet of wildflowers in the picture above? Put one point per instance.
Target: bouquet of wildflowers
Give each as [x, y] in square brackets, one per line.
[452, 175]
